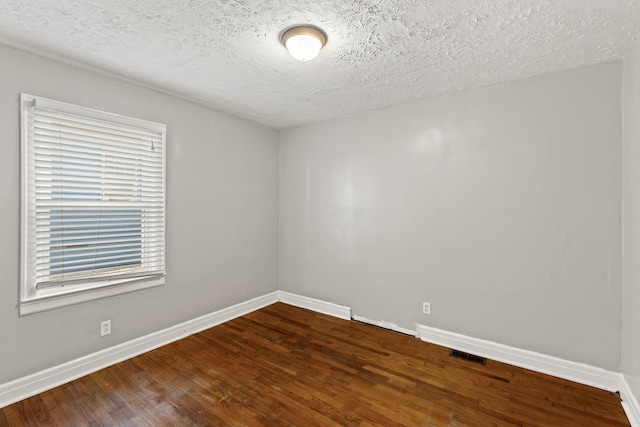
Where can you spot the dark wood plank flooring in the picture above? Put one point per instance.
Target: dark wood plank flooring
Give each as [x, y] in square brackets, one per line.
[284, 365]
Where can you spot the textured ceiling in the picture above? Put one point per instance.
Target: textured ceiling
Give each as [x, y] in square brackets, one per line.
[226, 53]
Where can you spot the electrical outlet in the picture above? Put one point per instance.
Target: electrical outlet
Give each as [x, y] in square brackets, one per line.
[105, 328]
[426, 308]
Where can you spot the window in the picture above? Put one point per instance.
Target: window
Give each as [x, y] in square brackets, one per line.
[93, 204]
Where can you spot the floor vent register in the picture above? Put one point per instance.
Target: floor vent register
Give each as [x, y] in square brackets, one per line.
[466, 356]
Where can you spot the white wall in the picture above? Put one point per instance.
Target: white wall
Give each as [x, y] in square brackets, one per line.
[500, 206]
[222, 216]
[631, 217]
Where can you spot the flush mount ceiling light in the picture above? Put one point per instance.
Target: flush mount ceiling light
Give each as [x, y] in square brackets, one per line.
[304, 42]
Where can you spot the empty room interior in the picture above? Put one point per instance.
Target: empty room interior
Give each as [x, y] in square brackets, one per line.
[431, 218]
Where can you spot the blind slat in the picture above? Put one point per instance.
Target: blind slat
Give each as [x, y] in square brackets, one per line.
[57, 143]
[57, 283]
[88, 123]
[83, 250]
[110, 258]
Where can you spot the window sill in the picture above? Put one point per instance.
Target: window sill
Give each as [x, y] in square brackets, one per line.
[49, 302]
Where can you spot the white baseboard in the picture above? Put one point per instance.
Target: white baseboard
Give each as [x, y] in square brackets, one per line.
[386, 325]
[573, 371]
[629, 402]
[47, 379]
[331, 309]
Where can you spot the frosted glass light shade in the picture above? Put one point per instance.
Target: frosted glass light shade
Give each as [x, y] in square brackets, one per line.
[304, 43]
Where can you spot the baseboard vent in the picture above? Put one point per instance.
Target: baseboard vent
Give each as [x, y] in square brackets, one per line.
[466, 356]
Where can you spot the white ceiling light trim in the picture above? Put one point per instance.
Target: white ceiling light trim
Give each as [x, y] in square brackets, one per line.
[304, 42]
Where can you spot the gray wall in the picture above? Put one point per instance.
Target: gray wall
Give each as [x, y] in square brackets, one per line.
[631, 220]
[500, 206]
[222, 216]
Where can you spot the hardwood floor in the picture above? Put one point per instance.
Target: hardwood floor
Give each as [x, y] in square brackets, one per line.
[284, 365]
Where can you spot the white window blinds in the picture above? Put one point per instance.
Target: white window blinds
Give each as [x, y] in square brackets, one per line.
[93, 196]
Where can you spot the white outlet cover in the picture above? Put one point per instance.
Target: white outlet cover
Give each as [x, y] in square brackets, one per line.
[426, 308]
[105, 328]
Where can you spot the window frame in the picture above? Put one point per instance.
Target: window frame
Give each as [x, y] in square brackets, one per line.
[33, 300]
